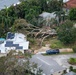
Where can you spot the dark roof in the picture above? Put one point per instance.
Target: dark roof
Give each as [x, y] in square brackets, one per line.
[10, 44]
[20, 47]
[10, 35]
[16, 45]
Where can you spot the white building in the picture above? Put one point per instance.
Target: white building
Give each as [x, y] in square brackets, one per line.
[14, 41]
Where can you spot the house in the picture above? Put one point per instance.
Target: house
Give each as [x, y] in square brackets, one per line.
[47, 18]
[70, 73]
[69, 4]
[14, 41]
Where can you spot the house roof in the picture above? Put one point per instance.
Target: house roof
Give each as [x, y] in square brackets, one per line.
[7, 3]
[70, 4]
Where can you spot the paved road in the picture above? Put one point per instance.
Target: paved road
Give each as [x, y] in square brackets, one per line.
[7, 3]
[47, 64]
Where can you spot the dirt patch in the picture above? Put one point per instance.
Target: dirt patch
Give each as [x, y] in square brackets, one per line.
[43, 48]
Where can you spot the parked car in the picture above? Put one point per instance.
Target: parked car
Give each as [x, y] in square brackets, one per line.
[53, 51]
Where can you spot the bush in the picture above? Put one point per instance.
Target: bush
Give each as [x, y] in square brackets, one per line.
[67, 32]
[71, 68]
[32, 40]
[74, 49]
[56, 44]
[72, 14]
[74, 70]
[72, 61]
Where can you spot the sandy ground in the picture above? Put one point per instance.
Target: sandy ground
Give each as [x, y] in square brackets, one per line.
[42, 49]
[47, 47]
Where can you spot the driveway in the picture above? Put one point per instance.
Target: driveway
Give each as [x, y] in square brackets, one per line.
[47, 64]
[63, 59]
[52, 63]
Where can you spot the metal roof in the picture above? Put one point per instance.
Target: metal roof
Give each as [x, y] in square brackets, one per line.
[9, 44]
[10, 35]
[20, 47]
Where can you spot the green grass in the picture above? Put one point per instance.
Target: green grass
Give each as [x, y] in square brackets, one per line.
[72, 61]
[74, 70]
[56, 44]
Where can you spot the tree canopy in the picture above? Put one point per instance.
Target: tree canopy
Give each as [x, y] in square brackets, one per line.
[12, 64]
[67, 32]
[72, 14]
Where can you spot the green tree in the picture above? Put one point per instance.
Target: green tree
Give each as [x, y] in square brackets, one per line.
[12, 64]
[67, 32]
[72, 14]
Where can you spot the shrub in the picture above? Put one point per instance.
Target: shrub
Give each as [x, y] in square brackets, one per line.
[32, 40]
[71, 68]
[74, 70]
[67, 32]
[56, 44]
[72, 61]
[74, 49]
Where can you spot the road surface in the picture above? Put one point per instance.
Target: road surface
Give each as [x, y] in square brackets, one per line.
[47, 64]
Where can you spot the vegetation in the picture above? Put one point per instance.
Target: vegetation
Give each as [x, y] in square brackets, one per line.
[67, 32]
[71, 69]
[19, 18]
[36, 7]
[56, 44]
[72, 14]
[72, 61]
[17, 64]
[74, 49]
